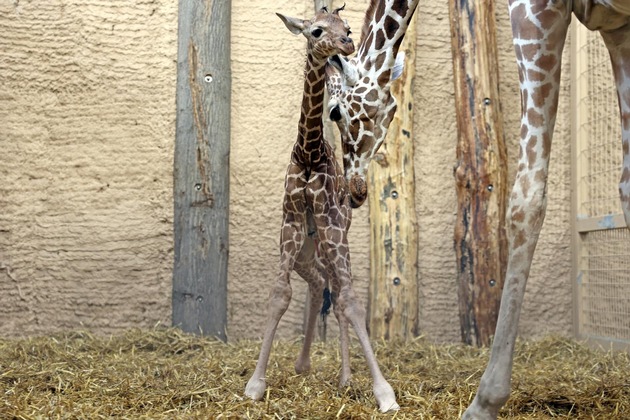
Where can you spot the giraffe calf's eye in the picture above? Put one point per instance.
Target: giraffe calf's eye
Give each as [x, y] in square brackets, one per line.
[317, 32]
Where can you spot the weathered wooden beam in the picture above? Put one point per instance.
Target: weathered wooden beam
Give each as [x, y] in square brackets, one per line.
[201, 168]
[393, 289]
[481, 171]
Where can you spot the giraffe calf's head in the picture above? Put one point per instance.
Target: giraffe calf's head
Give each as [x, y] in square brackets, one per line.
[327, 33]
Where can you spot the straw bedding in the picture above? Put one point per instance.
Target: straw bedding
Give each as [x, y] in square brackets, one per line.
[165, 374]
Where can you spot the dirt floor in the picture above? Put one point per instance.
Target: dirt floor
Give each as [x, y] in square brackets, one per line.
[165, 374]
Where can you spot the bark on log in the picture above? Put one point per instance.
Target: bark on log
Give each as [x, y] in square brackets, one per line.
[481, 173]
[201, 168]
[393, 290]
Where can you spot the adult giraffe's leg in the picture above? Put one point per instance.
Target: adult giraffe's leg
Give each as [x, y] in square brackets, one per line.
[336, 249]
[539, 29]
[618, 44]
[291, 241]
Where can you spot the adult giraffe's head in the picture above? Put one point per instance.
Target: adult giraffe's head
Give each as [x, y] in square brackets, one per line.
[327, 34]
[360, 99]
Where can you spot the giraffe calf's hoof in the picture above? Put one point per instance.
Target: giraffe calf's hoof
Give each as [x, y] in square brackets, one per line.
[255, 389]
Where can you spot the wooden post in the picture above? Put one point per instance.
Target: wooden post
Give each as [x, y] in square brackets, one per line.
[481, 171]
[201, 172]
[393, 289]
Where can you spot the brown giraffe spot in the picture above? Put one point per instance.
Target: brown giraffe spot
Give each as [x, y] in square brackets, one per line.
[526, 30]
[380, 39]
[519, 239]
[360, 90]
[535, 118]
[535, 76]
[380, 11]
[370, 110]
[547, 62]
[400, 7]
[384, 78]
[518, 215]
[355, 107]
[365, 144]
[391, 25]
[521, 166]
[354, 130]
[525, 186]
[380, 60]
[524, 130]
[546, 145]
[540, 176]
[541, 93]
[531, 151]
[626, 121]
[625, 175]
[529, 52]
[626, 147]
[372, 95]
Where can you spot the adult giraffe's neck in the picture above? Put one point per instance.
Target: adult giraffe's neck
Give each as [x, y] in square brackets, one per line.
[386, 22]
[310, 147]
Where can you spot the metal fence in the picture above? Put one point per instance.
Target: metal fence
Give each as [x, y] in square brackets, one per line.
[601, 239]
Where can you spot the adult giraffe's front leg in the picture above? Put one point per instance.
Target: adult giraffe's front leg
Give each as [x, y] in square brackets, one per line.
[618, 44]
[539, 29]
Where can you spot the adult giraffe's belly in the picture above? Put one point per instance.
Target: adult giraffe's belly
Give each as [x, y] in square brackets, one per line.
[603, 15]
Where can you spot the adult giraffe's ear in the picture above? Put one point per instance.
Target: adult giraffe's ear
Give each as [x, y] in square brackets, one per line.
[399, 66]
[295, 25]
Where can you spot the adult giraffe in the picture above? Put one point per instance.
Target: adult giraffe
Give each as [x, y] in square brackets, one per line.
[362, 107]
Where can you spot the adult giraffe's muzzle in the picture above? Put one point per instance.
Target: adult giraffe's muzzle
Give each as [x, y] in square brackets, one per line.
[358, 191]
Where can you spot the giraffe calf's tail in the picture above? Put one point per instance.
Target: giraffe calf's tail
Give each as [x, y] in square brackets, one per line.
[326, 304]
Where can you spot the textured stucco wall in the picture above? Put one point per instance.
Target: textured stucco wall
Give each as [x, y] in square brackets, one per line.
[87, 114]
[87, 117]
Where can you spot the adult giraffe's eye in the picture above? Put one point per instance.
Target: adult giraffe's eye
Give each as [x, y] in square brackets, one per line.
[349, 32]
[317, 32]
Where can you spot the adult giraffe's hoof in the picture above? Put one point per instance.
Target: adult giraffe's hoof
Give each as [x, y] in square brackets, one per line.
[386, 398]
[476, 412]
[255, 388]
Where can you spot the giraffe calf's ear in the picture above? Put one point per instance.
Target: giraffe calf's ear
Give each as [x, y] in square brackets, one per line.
[295, 25]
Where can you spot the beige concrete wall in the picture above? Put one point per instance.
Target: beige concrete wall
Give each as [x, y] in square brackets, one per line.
[87, 115]
[87, 118]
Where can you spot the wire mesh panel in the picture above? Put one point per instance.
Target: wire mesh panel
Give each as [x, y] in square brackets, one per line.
[602, 248]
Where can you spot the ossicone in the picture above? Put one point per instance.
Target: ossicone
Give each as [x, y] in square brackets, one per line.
[339, 9]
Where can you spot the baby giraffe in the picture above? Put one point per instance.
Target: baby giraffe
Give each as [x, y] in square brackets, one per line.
[316, 219]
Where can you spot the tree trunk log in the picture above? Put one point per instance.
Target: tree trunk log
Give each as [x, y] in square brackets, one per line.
[393, 290]
[201, 168]
[481, 171]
